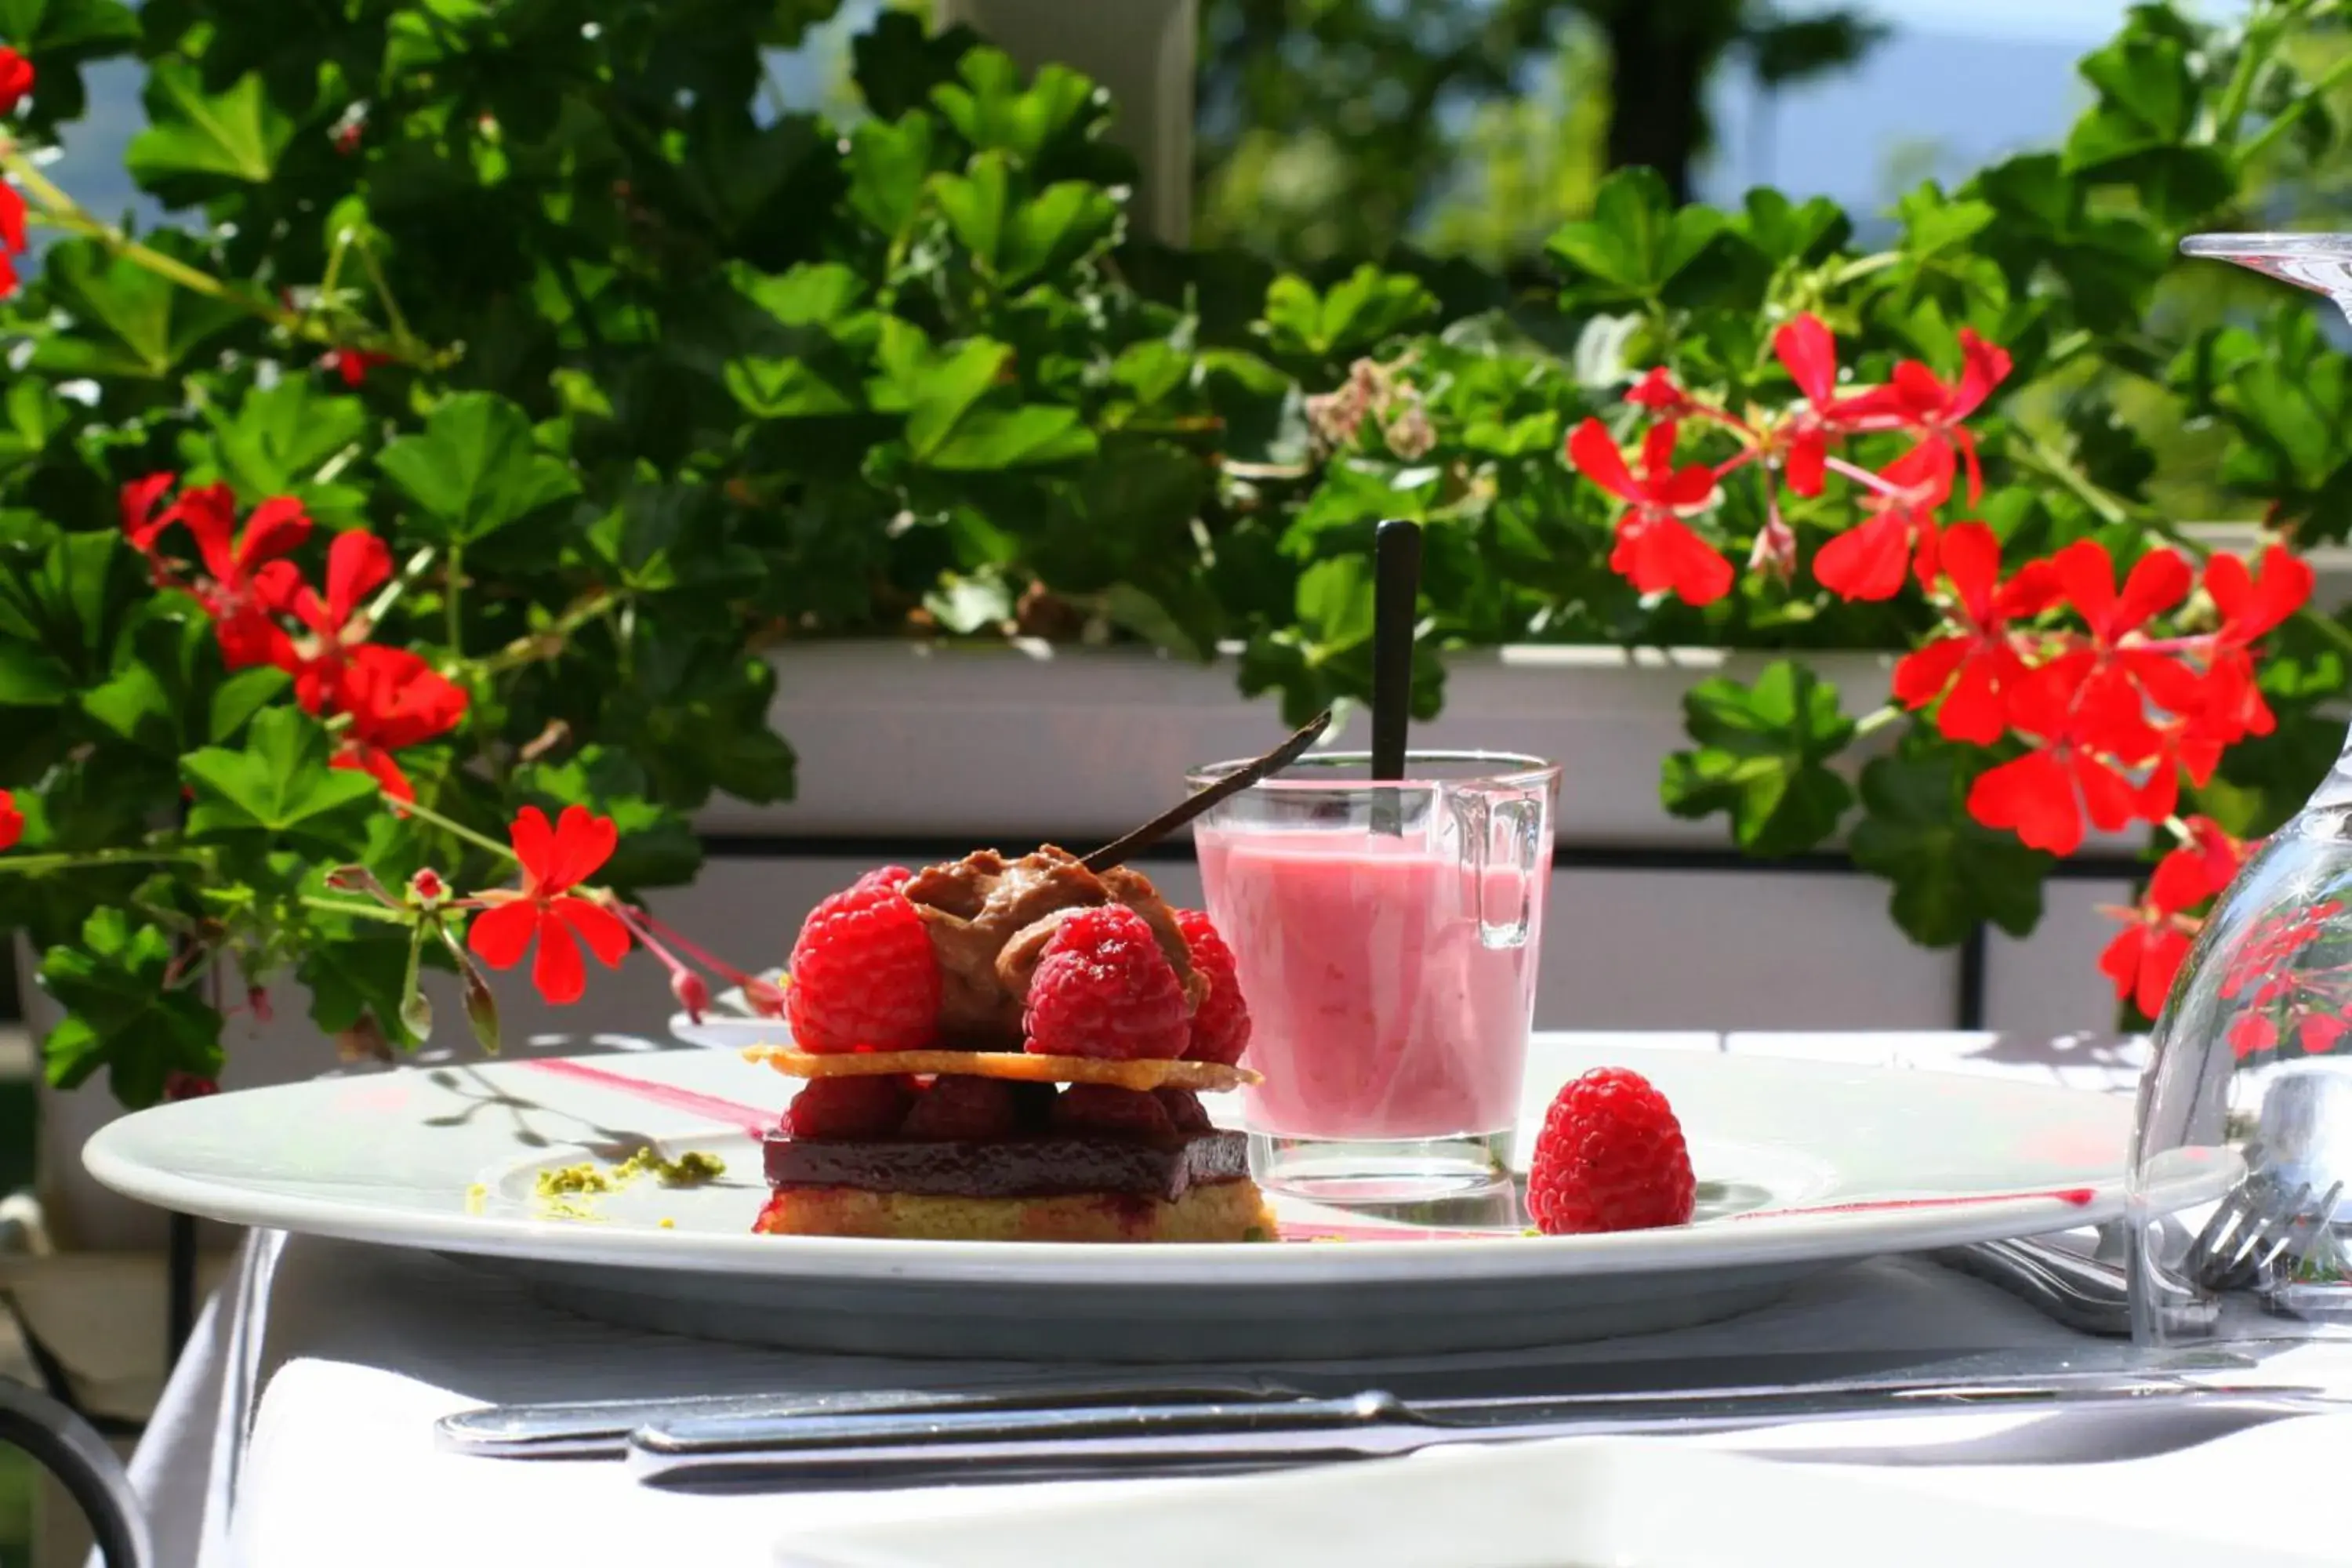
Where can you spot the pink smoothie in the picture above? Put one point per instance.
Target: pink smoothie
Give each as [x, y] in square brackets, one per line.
[1378, 1012]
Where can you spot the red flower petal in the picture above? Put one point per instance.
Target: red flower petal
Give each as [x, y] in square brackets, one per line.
[2251, 606]
[278, 527]
[2086, 573]
[15, 79]
[2032, 796]
[2159, 580]
[596, 925]
[2119, 960]
[1870, 561]
[1976, 711]
[2182, 881]
[12, 219]
[12, 821]
[1807, 465]
[1808, 351]
[2251, 1033]
[2159, 964]
[1596, 456]
[501, 934]
[533, 838]
[1983, 367]
[560, 974]
[583, 841]
[1921, 675]
[357, 564]
[377, 765]
[1970, 556]
[2107, 796]
[137, 500]
[1657, 390]
[1660, 555]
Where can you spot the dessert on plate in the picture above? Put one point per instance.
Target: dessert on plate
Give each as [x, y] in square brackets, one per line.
[1005, 1049]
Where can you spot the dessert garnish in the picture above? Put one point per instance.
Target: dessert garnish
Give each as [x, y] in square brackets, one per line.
[1010, 1048]
[1611, 1156]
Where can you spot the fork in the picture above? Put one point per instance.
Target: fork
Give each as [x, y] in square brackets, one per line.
[2261, 1227]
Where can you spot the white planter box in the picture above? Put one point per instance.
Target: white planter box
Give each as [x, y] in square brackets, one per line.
[966, 746]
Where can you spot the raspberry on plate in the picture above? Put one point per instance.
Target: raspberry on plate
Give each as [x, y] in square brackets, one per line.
[1221, 1028]
[1102, 1108]
[1611, 1157]
[864, 1107]
[863, 973]
[1104, 989]
[958, 1107]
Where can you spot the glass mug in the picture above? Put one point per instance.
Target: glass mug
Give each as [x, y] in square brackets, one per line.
[1386, 936]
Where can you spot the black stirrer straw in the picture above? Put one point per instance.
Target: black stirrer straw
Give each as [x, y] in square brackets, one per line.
[1396, 591]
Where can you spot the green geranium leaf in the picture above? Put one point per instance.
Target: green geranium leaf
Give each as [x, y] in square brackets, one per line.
[1358, 314]
[126, 322]
[1949, 873]
[989, 109]
[1032, 436]
[279, 783]
[66, 601]
[888, 164]
[476, 469]
[197, 141]
[1335, 602]
[275, 440]
[1758, 759]
[1016, 239]
[121, 1016]
[1636, 241]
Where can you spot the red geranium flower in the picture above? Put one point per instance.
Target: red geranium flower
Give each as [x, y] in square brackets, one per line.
[1975, 661]
[2253, 606]
[234, 588]
[353, 365]
[1916, 399]
[554, 860]
[1873, 559]
[394, 701]
[1656, 549]
[1808, 352]
[12, 821]
[2044, 796]
[1658, 393]
[15, 79]
[357, 564]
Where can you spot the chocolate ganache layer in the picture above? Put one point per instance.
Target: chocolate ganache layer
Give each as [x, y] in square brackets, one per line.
[1039, 1167]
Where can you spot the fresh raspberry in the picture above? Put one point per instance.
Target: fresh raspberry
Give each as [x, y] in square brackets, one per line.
[1184, 1109]
[869, 1107]
[1609, 1157]
[963, 1108]
[1123, 1112]
[1221, 1028]
[863, 973]
[890, 878]
[1103, 988]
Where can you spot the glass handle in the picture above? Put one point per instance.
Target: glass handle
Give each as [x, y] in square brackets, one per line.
[1502, 842]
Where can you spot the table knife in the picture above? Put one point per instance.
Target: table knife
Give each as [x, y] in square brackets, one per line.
[601, 1429]
[1266, 1433]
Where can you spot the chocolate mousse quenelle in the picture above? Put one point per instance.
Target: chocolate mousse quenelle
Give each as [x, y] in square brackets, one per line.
[1011, 1050]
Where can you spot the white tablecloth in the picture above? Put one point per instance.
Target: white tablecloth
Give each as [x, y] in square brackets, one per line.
[296, 1431]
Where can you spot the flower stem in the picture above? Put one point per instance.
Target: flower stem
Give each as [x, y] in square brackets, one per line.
[448, 825]
[63, 211]
[547, 643]
[358, 911]
[65, 860]
[454, 580]
[1878, 719]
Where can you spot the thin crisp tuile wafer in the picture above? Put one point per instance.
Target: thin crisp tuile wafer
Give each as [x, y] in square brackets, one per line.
[1018, 1066]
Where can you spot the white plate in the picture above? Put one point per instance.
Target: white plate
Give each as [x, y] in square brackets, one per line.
[1625, 1504]
[1876, 1160]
